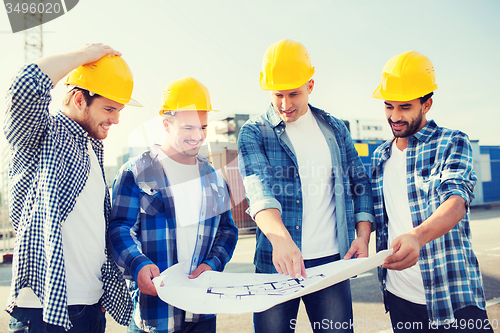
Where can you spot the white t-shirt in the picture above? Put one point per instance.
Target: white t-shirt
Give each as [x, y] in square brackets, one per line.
[408, 283]
[186, 187]
[319, 226]
[83, 236]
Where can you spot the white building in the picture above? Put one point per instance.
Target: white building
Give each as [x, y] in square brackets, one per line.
[369, 129]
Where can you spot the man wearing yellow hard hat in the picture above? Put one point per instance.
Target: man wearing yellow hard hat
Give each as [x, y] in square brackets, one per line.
[423, 181]
[307, 189]
[62, 274]
[170, 206]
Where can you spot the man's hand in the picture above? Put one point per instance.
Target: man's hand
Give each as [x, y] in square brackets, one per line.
[94, 52]
[58, 66]
[359, 247]
[287, 258]
[406, 249]
[145, 279]
[200, 269]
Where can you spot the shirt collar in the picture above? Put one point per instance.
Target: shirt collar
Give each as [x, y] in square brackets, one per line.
[425, 134]
[72, 125]
[77, 130]
[273, 117]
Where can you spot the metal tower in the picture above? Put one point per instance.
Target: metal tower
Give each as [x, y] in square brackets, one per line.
[33, 40]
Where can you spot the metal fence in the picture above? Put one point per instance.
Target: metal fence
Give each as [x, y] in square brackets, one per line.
[6, 229]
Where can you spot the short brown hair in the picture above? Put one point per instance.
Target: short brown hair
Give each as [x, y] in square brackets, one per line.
[169, 116]
[86, 96]
[425, 98]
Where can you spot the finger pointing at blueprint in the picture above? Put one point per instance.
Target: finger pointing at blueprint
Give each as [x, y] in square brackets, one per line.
[216, 292]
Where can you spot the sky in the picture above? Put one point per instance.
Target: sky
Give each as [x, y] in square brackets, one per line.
[221, 43]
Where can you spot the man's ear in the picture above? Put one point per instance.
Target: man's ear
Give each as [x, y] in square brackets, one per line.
[78, 100]
[427, 106]
[310, 85]
[166, 125]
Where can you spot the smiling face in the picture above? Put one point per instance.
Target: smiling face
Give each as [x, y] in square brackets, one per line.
[406, 118]
[97, 118]
[293, 103]
[187, 131]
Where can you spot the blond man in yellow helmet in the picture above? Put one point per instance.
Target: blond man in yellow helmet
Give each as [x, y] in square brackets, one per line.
[307, 189]
[169, 207]
[63, 277]
[423, 181]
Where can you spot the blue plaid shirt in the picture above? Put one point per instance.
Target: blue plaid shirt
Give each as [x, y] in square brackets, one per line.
[48, 169]
[143, 231]
[438, 165]
[270, 174]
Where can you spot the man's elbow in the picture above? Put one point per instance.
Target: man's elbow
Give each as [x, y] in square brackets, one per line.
[459, 205]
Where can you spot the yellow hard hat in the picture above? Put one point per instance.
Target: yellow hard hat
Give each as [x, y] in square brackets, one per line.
[109, 77]
[186, 94]
[405, 77]
[286, 65]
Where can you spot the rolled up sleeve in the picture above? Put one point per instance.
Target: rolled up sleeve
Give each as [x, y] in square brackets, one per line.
[457, 175]
[255, 170]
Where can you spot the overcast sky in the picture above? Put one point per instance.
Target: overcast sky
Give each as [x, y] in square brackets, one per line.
[221, 43]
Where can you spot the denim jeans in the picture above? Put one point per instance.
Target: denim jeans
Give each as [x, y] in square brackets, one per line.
[85, 319]
[205, 326]
[329, 309]
[410, 317]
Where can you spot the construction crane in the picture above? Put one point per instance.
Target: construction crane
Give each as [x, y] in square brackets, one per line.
[33, 37]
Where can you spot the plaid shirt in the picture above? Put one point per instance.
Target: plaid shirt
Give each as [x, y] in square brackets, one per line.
[438, 165]
[269, 170]
[143, 231]
[48, 169]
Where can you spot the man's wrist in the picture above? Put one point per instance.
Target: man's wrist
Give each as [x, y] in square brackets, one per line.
[418, 233]
[277, 238]
[363, 230]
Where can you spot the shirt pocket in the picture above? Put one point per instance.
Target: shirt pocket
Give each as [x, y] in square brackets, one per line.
[217, 198]
[428, 179]
[150, 197]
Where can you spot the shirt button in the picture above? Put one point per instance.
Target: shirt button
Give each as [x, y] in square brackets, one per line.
[85, 134]
[297, 227]
[278, 131]
[298, 201]
[296, 175]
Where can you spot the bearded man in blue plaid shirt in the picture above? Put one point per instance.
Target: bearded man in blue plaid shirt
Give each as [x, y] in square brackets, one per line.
[308, 191]
[62, 275]
[423, 185]
[169, 207]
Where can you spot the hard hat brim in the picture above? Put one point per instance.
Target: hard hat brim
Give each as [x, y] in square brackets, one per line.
[377, 93]
[133, 102]
[161, 112]
[283, 86]
[398, 98]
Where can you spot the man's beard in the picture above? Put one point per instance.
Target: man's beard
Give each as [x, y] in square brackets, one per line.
[90, 125]
[411, 128]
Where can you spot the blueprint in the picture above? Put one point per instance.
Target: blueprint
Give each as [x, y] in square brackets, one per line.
[216, 292]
